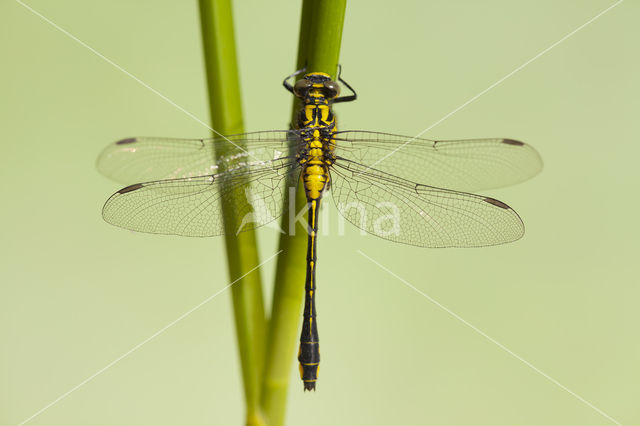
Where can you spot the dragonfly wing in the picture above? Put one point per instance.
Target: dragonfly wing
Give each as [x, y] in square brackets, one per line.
[148, 158]
[191, 206]
[461, 165]
[420, 215]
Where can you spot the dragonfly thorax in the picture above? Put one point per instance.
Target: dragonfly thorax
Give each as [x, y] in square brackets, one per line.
[317, 125]
[316, 156]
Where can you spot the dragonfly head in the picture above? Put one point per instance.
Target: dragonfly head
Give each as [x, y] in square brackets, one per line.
[316, 85]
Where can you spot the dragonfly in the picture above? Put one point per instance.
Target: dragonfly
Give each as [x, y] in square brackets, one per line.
[404, 189]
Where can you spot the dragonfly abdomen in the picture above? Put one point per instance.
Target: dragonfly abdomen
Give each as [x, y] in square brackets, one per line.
[309, 352]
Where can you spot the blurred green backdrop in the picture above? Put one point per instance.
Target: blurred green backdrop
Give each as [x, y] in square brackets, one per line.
[77, 293]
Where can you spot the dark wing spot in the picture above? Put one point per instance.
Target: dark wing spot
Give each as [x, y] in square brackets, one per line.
[495, 202]
[512, 142]
[130, 188]
[126, 141]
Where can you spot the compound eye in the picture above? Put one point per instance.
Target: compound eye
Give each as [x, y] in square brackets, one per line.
[301, 87]
[332, 88]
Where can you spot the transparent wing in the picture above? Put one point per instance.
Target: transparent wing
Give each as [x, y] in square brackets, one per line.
[461, 165]
[419, 215]
[191, 206]
[147, 158]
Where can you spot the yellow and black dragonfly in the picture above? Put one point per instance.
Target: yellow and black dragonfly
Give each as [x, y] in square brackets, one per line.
[409, 190]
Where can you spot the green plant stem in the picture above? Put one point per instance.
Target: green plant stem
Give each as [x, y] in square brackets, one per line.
[319, 49]
[242, 254]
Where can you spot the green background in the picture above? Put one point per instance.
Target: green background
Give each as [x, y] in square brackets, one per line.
[77, 294]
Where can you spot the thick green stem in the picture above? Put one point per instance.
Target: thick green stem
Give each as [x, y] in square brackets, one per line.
[242, 254]
[319, 50]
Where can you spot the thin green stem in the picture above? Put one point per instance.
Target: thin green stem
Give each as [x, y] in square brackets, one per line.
[318, 50]
[242, 254]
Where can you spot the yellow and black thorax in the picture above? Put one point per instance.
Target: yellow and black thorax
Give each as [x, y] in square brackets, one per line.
[318, 126]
